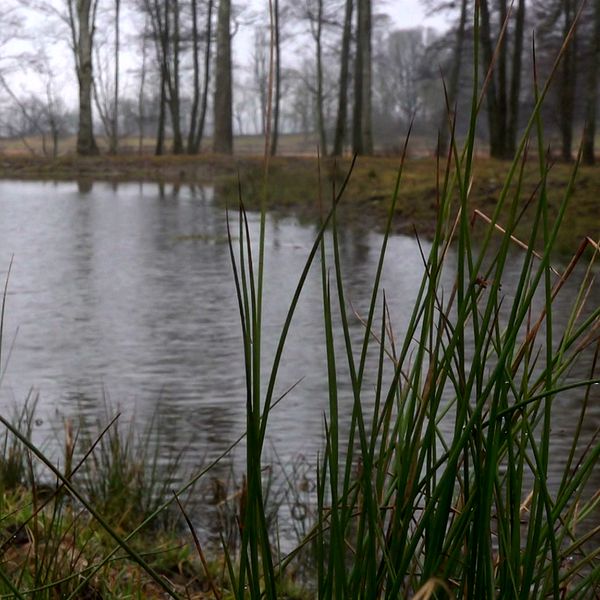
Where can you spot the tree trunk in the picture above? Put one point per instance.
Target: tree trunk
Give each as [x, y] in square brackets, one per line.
[223, 134]
[261, 68]
[196, 79]
[277, 98]
[362, 136]
[453, 81]
[591, 99]
[203, 107]
[367, 127]
[357, 120]
[173, 80]
[515, 85]
[114, 134]
[160, 130]
[161, 39]
[567, 87]
[501, 68]
[141, 101]
[319, 57]
[54, 129]
[340, 126]
[495, 118]
[82, 27]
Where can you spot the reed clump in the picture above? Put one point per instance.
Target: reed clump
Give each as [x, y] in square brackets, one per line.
[441, 490]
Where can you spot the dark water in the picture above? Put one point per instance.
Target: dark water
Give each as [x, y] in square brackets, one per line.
[127, 294]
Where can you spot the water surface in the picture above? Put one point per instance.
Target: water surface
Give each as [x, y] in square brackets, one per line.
[126, 293]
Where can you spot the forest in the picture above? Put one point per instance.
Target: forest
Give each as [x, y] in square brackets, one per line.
[189, 76]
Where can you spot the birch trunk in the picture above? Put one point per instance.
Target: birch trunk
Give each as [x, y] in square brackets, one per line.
[82, 15]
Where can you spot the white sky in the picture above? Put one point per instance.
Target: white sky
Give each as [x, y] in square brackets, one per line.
[404, 14]
[410, 13]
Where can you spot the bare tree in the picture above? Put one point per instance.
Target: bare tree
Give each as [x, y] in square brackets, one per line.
[319, 18]
[106, 92]
[454, 77]
[277, 76]
[568, 82]
[402, 66]
[82, 24]
[160, 36]
[54, 109]
[40, 115]
[29, 117]
[318, 35]
[502, 94]
[141, 100]
[200, 97]
[342, 114]
[515, 80]
[114, 140]
[313, 13]
[364, 32]
[362, 135]
[591, 100]
[260, 71]
[555, 20]
[173, 80]
[166, 31]
[207, 73]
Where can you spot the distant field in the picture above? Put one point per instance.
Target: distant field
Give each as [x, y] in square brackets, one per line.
[250, 144]
[288, 144]
[296, 144]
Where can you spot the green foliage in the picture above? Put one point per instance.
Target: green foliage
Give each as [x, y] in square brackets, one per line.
[405, 506]
[128, 477]
[14, 470]
[59, 541]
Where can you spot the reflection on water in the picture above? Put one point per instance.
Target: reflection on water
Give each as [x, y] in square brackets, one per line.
[127, 293]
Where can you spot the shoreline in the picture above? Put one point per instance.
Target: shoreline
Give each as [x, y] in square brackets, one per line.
[296, 182]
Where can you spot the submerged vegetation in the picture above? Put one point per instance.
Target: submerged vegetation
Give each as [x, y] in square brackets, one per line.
[441, 491]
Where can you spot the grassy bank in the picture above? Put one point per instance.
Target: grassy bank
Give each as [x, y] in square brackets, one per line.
[294, 184]
[101, 521]
[50, 541]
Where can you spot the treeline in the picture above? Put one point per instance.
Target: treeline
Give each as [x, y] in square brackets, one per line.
[340, 71]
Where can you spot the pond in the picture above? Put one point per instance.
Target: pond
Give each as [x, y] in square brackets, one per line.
[124, 295]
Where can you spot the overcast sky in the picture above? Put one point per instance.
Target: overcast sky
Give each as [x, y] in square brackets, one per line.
[410, 13]
[405, 14]
[38, 30]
